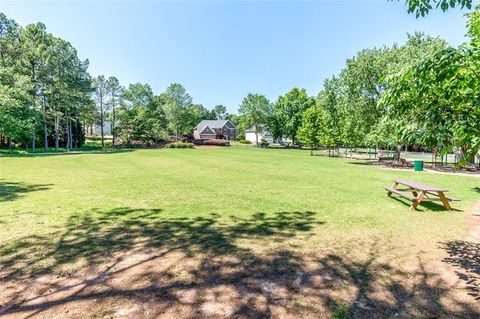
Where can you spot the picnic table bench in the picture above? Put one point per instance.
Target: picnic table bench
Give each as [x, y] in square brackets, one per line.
[419, 193]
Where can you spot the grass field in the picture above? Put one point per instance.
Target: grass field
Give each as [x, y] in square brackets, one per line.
[236, 232]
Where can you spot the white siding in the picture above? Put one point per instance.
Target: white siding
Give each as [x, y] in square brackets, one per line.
[250, 136]
[269, 139]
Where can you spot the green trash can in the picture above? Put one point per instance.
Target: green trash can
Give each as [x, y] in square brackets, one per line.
[418, 166]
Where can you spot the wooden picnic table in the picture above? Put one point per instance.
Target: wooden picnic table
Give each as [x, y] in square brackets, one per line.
[420, 192]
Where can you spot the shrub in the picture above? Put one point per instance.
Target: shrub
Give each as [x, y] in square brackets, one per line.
[216, 142]
[180, 145]
[264, 143]
[245, 142]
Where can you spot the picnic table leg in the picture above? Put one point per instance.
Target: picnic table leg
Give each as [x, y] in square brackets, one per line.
[418, 200]
[394, 185]
[444, 200]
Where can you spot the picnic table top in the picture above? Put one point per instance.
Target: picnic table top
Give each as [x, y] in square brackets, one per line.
[419, 186]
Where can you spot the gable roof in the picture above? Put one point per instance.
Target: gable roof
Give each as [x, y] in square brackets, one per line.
[213, 124]
[253, 129]
[207, 130]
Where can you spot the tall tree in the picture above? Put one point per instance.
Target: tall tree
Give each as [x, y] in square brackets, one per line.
[15, 118]
[177, 103]
[115, 91]
[47, 69]
[220, 112]
[439, 96]
[255, 110]
[101, 99]
[140, 116]
[311, 131]
[289, 109]
[35, 42]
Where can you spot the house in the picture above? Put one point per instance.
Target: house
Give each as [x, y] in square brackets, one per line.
[96, 129]
[210, 129]
[263, 133]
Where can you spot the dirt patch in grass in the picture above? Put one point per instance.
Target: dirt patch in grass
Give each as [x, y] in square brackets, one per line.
[430, 168]
[464, 257]
[149, 266]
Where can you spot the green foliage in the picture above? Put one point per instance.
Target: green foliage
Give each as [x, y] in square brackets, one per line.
[264, 143]
[45, 87]
[176, 105]
[473, 25]
[115, 91]
[439, 97]
[340, 311]
[140, 116]
[287, 113]
[312, 131]
[220, 112]
[423, 7]
[242, 141]
[180, 145]
[351, 101]
[255, 111]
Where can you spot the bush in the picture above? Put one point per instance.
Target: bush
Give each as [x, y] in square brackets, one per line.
[264, 143]
[245, 142]
[180, 145]
[216, 142]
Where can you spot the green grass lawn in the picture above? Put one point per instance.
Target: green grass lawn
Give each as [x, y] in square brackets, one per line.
[276, 213]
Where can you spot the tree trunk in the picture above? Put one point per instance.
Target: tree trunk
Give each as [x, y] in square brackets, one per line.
[67, 145]
[45, 128]
[101, 124]
[57, 124]
[45, 136]
[398, 152]
[71, 133]
[112, 128]
[34, 96]
[33, 136]
[311, 150]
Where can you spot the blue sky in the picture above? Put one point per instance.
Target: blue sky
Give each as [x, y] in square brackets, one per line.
[221, 51]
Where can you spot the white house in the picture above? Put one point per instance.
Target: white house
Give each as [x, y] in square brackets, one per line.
[96, 129]
[263, 133]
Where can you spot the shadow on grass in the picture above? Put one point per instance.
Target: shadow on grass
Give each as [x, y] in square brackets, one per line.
[425, 206]
[476, 189]
[11, 190]
[465, 257]
[95, 235]
[211, 266]
[365, 162]
[63, 153]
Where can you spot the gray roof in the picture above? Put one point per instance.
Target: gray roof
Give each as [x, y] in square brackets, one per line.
[253, 129]
[212, 124]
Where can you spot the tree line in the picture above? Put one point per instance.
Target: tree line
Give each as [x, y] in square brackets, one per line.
[44, 88]
[48, 98]
[422, 93]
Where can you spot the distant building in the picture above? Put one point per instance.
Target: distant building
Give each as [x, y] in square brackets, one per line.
[96, 129]
[210, 129]
[263, 133]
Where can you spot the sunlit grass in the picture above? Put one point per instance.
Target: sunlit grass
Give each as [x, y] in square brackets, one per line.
[40, 195]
